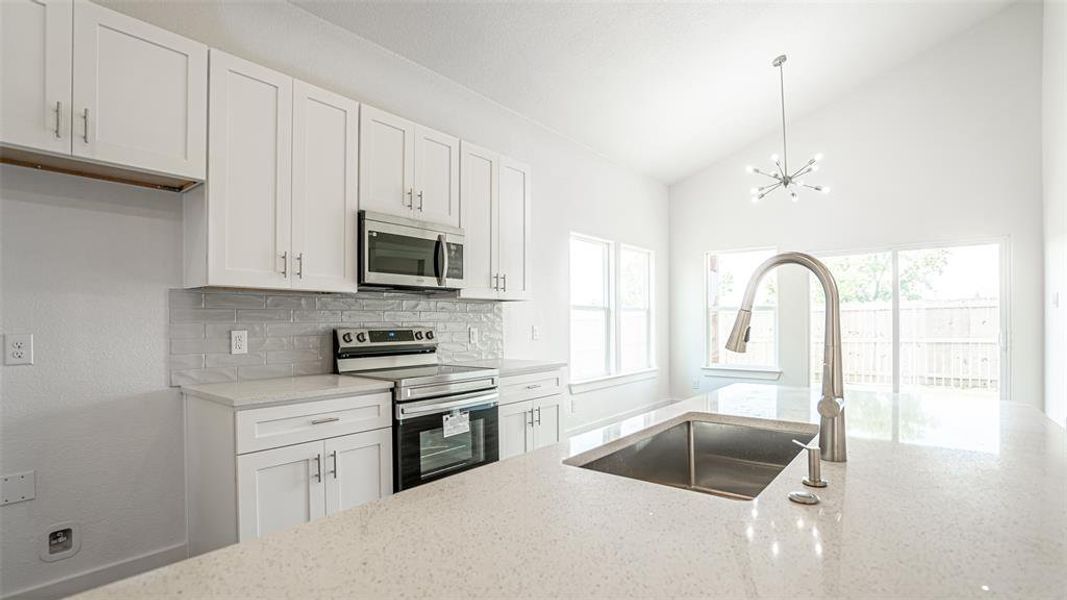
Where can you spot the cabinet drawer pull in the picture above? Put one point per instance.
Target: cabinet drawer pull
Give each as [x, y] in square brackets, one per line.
[59, 107]
[334, 456]
[285, 264]
[411, 201]
[318, 467]
[533, 386]
[325, 420]
[85, 119]
[504, 278]
[538, 415]
[531, 418]
[420, 200]
[300, 265]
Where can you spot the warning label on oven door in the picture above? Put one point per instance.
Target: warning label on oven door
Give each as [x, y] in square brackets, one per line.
[456, 423]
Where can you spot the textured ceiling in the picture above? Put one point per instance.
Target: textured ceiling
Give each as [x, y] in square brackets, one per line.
[662, 88]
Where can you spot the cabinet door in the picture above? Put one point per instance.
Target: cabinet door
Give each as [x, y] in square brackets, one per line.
[386, 162]
[515, 429]
[436, 177]
[514, 232]
[359, 469]
[325, 210]
[548, 421]
[35, 69]
[278, 489]
[249, 202]
[479, 174]
[140, 94]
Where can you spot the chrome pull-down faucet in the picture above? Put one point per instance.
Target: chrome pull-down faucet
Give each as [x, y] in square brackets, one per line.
[832, 404]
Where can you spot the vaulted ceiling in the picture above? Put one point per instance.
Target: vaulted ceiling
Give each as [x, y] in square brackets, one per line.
[661, 88]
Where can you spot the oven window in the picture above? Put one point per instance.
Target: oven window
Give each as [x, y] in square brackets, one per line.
[439, 454]
[401, 254]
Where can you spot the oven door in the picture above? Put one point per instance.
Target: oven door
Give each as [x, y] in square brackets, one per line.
[402, 252]
[425, 451]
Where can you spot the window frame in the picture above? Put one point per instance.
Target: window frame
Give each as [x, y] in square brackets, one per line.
[613, 308]
[769, 371]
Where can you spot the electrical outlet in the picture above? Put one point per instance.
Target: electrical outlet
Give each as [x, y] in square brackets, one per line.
[239, 341]
[18, 487]
[472, 335]
[535, 332]
[18, 349]
[62, 540]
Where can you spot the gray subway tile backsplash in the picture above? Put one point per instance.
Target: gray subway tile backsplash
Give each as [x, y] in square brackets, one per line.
[291, 333]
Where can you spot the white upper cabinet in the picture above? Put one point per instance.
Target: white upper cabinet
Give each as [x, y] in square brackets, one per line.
[386, 162]
[248, 191]
[436, 177]
[479, 172]
[83, 81]
[406, 169]
[495, 198]
[35, 72]
[514, 232]
[140, 94]
[324, 206]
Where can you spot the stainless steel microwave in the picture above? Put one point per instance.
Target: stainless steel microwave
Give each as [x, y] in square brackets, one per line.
[407, 253]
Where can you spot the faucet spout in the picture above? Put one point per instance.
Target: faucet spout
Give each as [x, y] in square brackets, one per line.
[832, 404]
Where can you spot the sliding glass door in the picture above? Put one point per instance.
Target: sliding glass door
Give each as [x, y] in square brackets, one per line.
[924, 319]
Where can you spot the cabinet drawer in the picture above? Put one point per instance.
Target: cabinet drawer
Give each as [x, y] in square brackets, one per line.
[532, 385]
[262, 428]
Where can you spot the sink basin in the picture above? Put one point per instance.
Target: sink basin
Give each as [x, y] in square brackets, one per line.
[727, 456]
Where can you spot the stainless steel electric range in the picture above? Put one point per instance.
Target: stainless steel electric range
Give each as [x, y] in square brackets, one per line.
[444, 416]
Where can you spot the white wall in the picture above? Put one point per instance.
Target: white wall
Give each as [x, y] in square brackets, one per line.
[86, 269]
[102, 430]
[945, 147]
[1055, 191]
[572, 189]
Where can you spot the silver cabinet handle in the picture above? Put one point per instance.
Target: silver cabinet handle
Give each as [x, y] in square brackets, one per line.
[533, 386]
[504, 277]
[531, 423]
[334, 456]
[325, 420]
[59, 107]
[496, 281]
[285, 264]
[318, 467]
[538, 415]
[408, 194]
[85, 119]
[420, 200]
[300, 265]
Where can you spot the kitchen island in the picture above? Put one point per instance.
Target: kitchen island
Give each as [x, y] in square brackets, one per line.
[942, 496]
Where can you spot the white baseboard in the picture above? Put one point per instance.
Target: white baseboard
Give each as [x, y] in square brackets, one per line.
[99, 576]
[619, 416]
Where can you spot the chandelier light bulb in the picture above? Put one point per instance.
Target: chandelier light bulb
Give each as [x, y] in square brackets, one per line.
[774, 158]
[753, 191]
[825, 190]
[818, 156]
[794, 196]
[750, 169]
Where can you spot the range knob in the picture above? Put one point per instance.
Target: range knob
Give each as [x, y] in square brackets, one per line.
[418, 335]
[429, 335]
[361, 337]
[347, 338]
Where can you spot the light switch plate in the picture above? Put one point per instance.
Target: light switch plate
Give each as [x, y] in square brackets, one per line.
[18, 487]
[472, 335]
[239, 341]
[18, 349]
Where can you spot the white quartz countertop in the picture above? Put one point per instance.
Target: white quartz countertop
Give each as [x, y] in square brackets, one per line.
[943, 495]
[261, 392]
[513, 366]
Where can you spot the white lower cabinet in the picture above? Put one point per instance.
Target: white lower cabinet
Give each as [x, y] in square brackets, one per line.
[530, 415]
[329, 455]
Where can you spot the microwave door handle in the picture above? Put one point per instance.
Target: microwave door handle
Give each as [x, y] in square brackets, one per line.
[442, 258]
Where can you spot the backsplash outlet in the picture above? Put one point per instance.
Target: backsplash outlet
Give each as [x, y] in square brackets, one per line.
[290, 334]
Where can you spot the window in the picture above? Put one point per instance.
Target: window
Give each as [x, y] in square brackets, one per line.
[727, 274]
[611, 308]
[925, 318]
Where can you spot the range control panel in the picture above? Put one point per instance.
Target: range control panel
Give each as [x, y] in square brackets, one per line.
[360, 338]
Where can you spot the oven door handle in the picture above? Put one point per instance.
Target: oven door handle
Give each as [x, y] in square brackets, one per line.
[442, 259]
[442, 405]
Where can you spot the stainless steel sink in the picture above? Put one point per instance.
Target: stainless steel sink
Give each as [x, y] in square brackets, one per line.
[726, 456]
